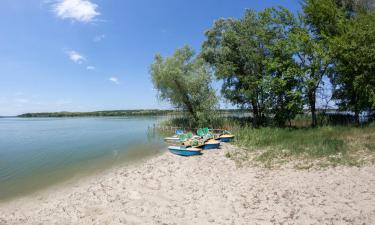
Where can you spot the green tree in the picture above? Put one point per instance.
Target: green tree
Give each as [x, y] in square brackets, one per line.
[236, 54]
[347, 27]
[354, 80]
[314, 61]
[322, 16]
[282, 71]
[185, 81]
[248, 55]
[325, 17]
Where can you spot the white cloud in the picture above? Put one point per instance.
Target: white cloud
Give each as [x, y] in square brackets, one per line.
[76, 57]
[78, 10]
[90, 67]
[114, 80]
[98, 38]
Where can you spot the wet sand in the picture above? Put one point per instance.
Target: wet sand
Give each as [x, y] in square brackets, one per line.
[208, 189]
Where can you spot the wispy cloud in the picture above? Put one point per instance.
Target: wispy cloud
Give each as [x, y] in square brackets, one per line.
[90, 67]
[114, 80]
[98, 38]
[76, 57]
[77, 10]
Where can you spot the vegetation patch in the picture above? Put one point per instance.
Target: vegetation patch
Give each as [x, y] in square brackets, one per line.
[324, 146]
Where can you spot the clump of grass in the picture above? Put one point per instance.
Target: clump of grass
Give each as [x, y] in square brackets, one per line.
[335, 145]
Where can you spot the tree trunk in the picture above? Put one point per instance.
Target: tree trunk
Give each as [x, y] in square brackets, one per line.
[187, 101]
[356, 116]
[312, 103]
[255, 114]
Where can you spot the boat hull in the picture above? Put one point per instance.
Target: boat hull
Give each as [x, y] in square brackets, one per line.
[172, 139]
[211, 145]
[225, 138]
[184, 151]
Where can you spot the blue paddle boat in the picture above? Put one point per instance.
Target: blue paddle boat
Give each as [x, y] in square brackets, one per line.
[183, 151]
[210, 144]
[225, 138]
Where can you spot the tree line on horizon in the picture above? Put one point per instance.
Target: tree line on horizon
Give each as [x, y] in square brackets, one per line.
[276, 64]
[119, 113]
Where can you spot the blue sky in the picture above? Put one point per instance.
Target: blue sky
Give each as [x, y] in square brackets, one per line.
[85, 55]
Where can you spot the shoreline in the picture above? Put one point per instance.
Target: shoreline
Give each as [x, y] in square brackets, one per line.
[207, 189]
[75, 173]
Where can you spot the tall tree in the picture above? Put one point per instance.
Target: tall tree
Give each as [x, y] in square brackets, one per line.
[282, 71]
[315, 63]
[236, 54]
[347, 27]
[241, 52]
[185, 81]
[354, 80]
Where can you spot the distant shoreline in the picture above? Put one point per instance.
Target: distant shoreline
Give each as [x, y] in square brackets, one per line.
[114, 113]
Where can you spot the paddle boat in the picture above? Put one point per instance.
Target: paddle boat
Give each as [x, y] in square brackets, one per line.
[184, 151]
[174, 138]
[225, 138]
[209, 144]
[180, 136]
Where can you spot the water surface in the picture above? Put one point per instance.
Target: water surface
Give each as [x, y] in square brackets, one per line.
[38, 152]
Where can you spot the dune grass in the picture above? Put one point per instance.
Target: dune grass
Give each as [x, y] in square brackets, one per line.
[329, 145]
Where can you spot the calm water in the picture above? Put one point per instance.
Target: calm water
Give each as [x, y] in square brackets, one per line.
[37, 152]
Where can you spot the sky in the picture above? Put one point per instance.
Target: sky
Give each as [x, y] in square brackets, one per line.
[87, 55]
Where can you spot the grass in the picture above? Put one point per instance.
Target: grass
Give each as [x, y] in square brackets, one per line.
[303, 146]
[329, 145]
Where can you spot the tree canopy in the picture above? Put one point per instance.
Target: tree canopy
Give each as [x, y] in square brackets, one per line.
[274, 63]
[185, 81]
[253, 57]
[347, 27]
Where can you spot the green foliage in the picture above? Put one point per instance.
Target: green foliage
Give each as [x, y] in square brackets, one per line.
[347, 27]
[253, 57]
[274, 63]
[323, 16]
[355, 71]
[336, 145]
[314, 63]
[235, 51]
[282, 76]
[185, 82]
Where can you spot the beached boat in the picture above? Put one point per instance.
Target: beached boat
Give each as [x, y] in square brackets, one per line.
[181, 137]
[225, 138]
[183, 151]
[174, 138]
[209, 144]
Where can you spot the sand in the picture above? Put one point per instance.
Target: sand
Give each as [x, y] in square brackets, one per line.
[207, 189]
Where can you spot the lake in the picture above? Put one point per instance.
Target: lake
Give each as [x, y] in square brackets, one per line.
[38, 152]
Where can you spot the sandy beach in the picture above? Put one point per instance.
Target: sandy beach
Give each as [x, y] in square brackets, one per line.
[209, 189]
